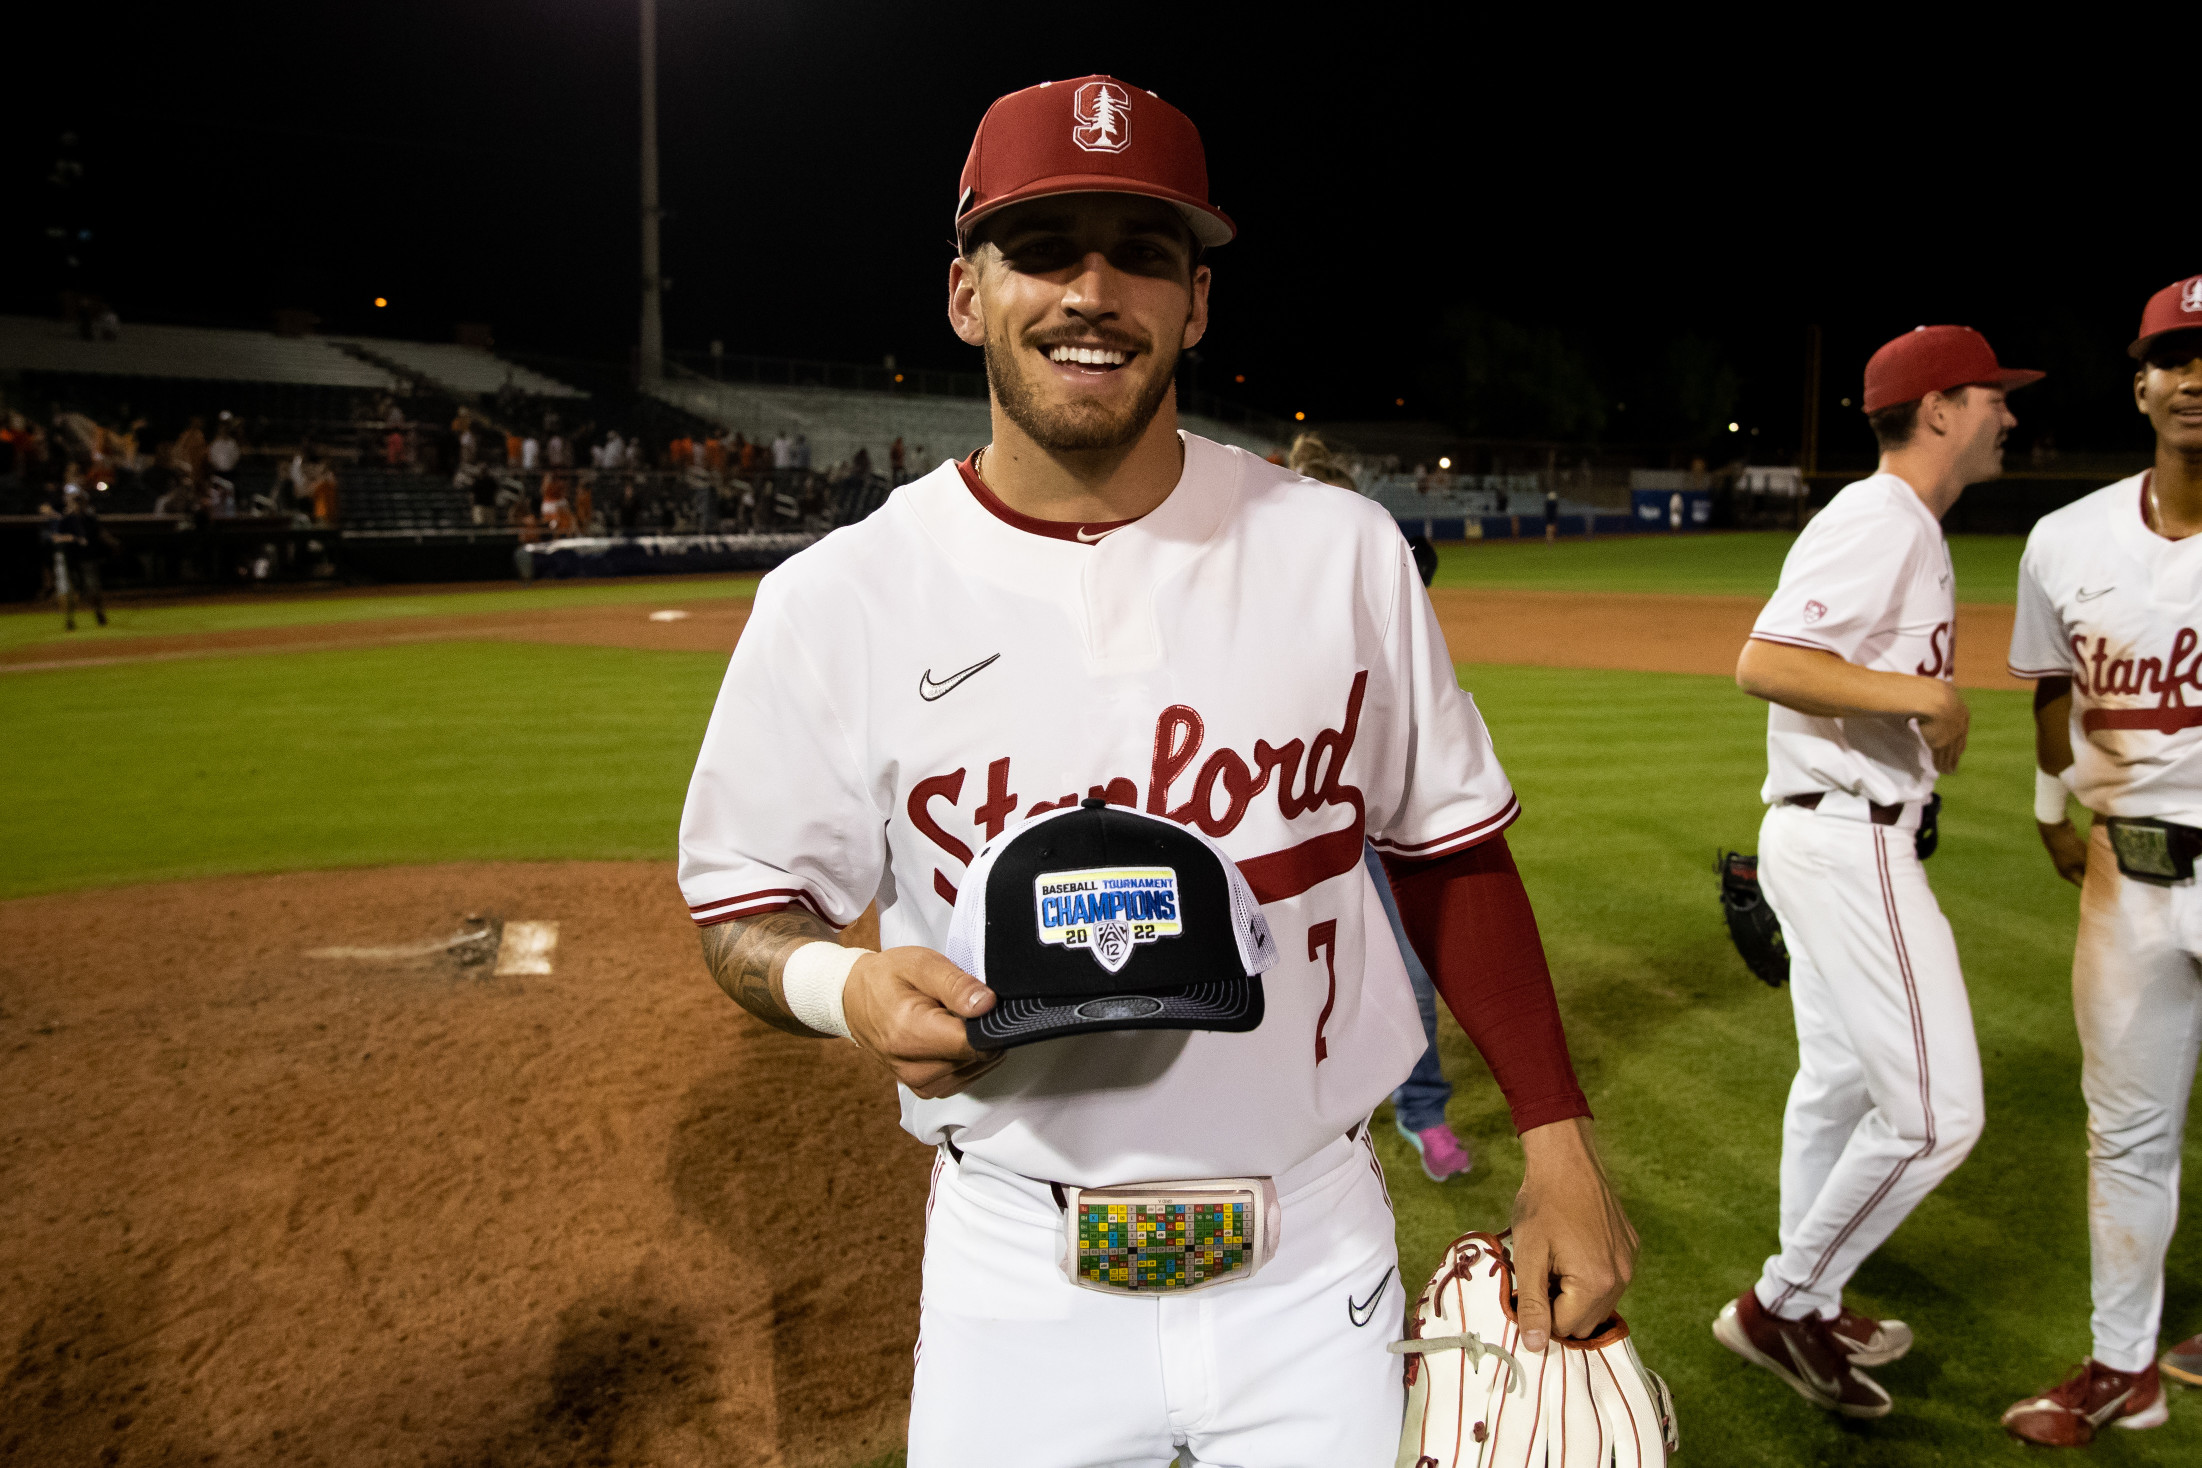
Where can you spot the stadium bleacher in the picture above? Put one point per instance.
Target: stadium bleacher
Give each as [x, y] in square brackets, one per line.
[393, 499]
[458, 369]
[34, 344]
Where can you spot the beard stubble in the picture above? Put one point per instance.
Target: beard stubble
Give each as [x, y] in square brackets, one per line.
[1080, 427]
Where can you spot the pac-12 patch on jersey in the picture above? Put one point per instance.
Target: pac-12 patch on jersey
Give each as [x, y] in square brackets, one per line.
[1108, 910]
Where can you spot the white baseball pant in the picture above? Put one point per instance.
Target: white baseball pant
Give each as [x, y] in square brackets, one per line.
[2137, 994]
[1019, 1368]
[1887, 1098]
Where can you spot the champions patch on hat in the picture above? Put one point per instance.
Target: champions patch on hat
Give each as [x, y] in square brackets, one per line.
[1103, 918]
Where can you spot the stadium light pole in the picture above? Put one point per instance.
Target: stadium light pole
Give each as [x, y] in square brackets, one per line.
[651, 364]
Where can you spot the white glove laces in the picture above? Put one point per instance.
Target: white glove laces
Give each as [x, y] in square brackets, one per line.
[1473, 1345]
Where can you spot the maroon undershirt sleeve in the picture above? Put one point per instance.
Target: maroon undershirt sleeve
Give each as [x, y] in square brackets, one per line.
[1469, 920]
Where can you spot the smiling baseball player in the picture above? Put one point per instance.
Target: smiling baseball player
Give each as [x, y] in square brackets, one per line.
[1855, 651]
[2109, 622]
[1098, 607]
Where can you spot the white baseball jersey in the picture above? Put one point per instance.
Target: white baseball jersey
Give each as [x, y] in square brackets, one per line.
[2117, 608]
[1869, 580]
[1256, 657]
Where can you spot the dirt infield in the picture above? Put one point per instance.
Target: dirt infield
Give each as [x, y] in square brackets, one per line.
[256, 1206]
[1631, 632]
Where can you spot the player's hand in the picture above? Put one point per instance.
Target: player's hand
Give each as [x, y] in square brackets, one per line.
[907, 1006]
[1944, 724]
[1568, 1229]
[2067, 851]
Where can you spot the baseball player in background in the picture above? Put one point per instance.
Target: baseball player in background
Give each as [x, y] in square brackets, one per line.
[1099, 606]
[2108, 625]
[1855, 652]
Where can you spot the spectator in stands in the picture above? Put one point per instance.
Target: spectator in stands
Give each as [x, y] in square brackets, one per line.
[470, 446]
[557, 509]
[321, 489]
[783, 460]
[895, 461]
[861, 465]
[627, 515]
[176, 497]
[21, 443]
[531, 454]
[1551, 516]
[801, 453]
[513, 445]
[714, 453]
[220, 498]
[190, 452]
[557, 452]
[481, 496]
[223, 454]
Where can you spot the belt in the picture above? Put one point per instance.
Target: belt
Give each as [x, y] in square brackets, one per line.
[1883, 815]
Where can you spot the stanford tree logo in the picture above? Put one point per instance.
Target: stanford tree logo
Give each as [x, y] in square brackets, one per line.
[1103, 113]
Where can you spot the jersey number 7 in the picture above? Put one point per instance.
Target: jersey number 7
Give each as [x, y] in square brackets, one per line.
[1322, 938]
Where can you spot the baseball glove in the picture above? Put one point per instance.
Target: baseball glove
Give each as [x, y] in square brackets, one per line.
[1751, 920]
[1473, 1402]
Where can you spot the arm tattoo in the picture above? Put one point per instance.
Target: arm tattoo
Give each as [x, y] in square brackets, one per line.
[746, 957]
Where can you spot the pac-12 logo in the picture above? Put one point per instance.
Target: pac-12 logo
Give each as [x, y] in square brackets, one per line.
[1104, 118]
[1108, 911]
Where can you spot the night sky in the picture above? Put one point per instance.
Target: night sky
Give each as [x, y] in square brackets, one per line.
[1517, 230]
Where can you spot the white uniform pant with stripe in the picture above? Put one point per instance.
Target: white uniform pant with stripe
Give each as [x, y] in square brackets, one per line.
[1019, 1368]
[1887, 1100]
[2137, 994]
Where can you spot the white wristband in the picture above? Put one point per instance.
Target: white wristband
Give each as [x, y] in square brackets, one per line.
[2049, 798]
[813, 979]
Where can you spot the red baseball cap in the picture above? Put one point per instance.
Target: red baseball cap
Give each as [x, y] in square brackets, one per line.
[1095, 135]
[2177, 307]
[1935, 359]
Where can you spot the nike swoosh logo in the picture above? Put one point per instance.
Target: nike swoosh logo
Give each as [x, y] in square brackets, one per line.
[1365, 1311]
[1096, 539]
[930, 690]
[2083, 594]
[1829, 1385]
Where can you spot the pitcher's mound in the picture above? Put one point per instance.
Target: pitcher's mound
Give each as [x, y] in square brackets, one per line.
[257, 1206]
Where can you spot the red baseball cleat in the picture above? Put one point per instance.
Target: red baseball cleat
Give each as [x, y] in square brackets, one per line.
[1870, 1342]
[1805, 1353]
[2069, 1413]
[2183, 1362]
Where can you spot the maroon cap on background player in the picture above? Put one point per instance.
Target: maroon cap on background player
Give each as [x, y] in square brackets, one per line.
[1095, 135]
[2177, 307]
[1935, 359]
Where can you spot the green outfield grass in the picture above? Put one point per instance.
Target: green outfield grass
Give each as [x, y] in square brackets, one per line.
[1629, 783]
[21, 629]
[1744, 563]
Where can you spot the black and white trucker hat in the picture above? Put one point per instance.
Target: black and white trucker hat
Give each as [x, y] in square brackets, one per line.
[1102, 918]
